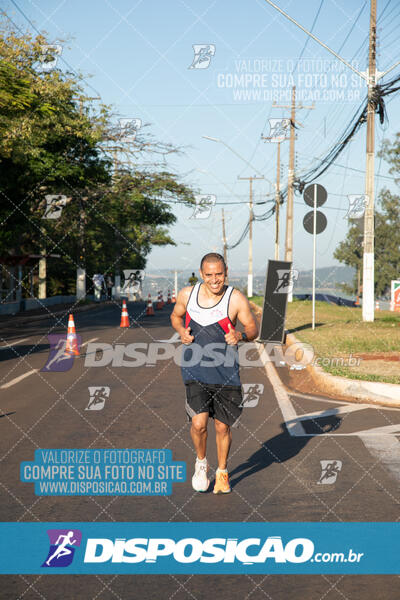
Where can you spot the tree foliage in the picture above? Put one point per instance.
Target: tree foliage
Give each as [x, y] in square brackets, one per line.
[52, 143]
[387, 231]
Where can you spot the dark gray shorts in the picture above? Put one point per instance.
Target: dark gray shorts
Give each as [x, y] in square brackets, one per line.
[222, 402]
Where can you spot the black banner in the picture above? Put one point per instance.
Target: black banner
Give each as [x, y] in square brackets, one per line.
[279, 282]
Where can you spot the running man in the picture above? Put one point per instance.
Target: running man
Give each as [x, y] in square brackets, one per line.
[61, 549]
[211, 310]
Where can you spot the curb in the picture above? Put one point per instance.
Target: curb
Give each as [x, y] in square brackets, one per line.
[351, 390]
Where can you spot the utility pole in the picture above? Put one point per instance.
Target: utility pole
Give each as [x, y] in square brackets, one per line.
[368, 255]
[277, 190]
[277, 200]
[372, 76]
[250, 273]
[289, 213]
[290, 190]
[224, 240]
[42, 291]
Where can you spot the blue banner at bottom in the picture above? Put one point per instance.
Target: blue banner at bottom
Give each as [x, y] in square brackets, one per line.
[221, 548]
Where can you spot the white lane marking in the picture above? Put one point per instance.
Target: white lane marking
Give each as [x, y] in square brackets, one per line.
[289, 414]
[17, 379]
[89, 341]
[13, 343]
[386, 449]
[175, 339]
[385, 430]
[330, 412]
[381, 442]
[24, 375]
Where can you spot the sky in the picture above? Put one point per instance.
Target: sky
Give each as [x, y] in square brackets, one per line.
[137, 57]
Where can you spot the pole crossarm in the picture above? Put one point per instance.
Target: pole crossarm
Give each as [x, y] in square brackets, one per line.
[263, 137]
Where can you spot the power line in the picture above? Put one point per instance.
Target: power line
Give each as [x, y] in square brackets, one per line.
[308, 39]
[352, 27]
[80, 78]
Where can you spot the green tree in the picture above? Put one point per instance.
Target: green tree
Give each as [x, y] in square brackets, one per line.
[387, 230]
[51, 143]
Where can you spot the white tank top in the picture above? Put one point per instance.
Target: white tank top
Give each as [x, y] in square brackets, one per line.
[208, 316]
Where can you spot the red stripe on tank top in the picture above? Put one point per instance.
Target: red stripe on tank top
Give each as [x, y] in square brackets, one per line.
[224, 324]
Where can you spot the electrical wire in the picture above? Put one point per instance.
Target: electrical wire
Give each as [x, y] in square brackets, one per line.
[77, 75]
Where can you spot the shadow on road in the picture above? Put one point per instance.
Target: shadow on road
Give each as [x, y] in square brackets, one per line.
[282, 447]
[22, 350]
[305, 326]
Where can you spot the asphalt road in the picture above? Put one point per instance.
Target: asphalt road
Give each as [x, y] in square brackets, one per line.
[274, 464]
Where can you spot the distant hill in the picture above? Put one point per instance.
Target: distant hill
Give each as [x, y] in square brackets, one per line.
[326, 277]
[327, 280]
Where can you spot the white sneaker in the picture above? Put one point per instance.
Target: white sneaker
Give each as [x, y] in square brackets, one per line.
[200, 481]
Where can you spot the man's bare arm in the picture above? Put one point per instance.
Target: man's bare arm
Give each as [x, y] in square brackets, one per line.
[178, 313]
[243, 311]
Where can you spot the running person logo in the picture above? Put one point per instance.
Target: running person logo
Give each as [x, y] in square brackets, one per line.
[98, 396]
[329, 471]
[133, 279]
[63, 543]
[204, 204]
[203, 54]
[251, 394]
[58, 360]
[357, 205]
[278, 129]
[286, 280]
[54, 206]
[128, 128]
[49, 54]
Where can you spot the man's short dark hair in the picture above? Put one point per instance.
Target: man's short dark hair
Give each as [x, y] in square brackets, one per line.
[212, 257]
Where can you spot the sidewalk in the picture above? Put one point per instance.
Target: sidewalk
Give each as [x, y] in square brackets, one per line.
[47, 312]
[314, 380]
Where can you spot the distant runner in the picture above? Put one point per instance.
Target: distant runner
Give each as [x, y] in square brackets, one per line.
[211, 310]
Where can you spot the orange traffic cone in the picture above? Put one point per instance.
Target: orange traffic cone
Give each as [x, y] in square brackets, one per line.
[149, 308]
[160, 303]
[173, 297]
[169, 297]
[71, 346]
[124, 316]
[377, 307]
